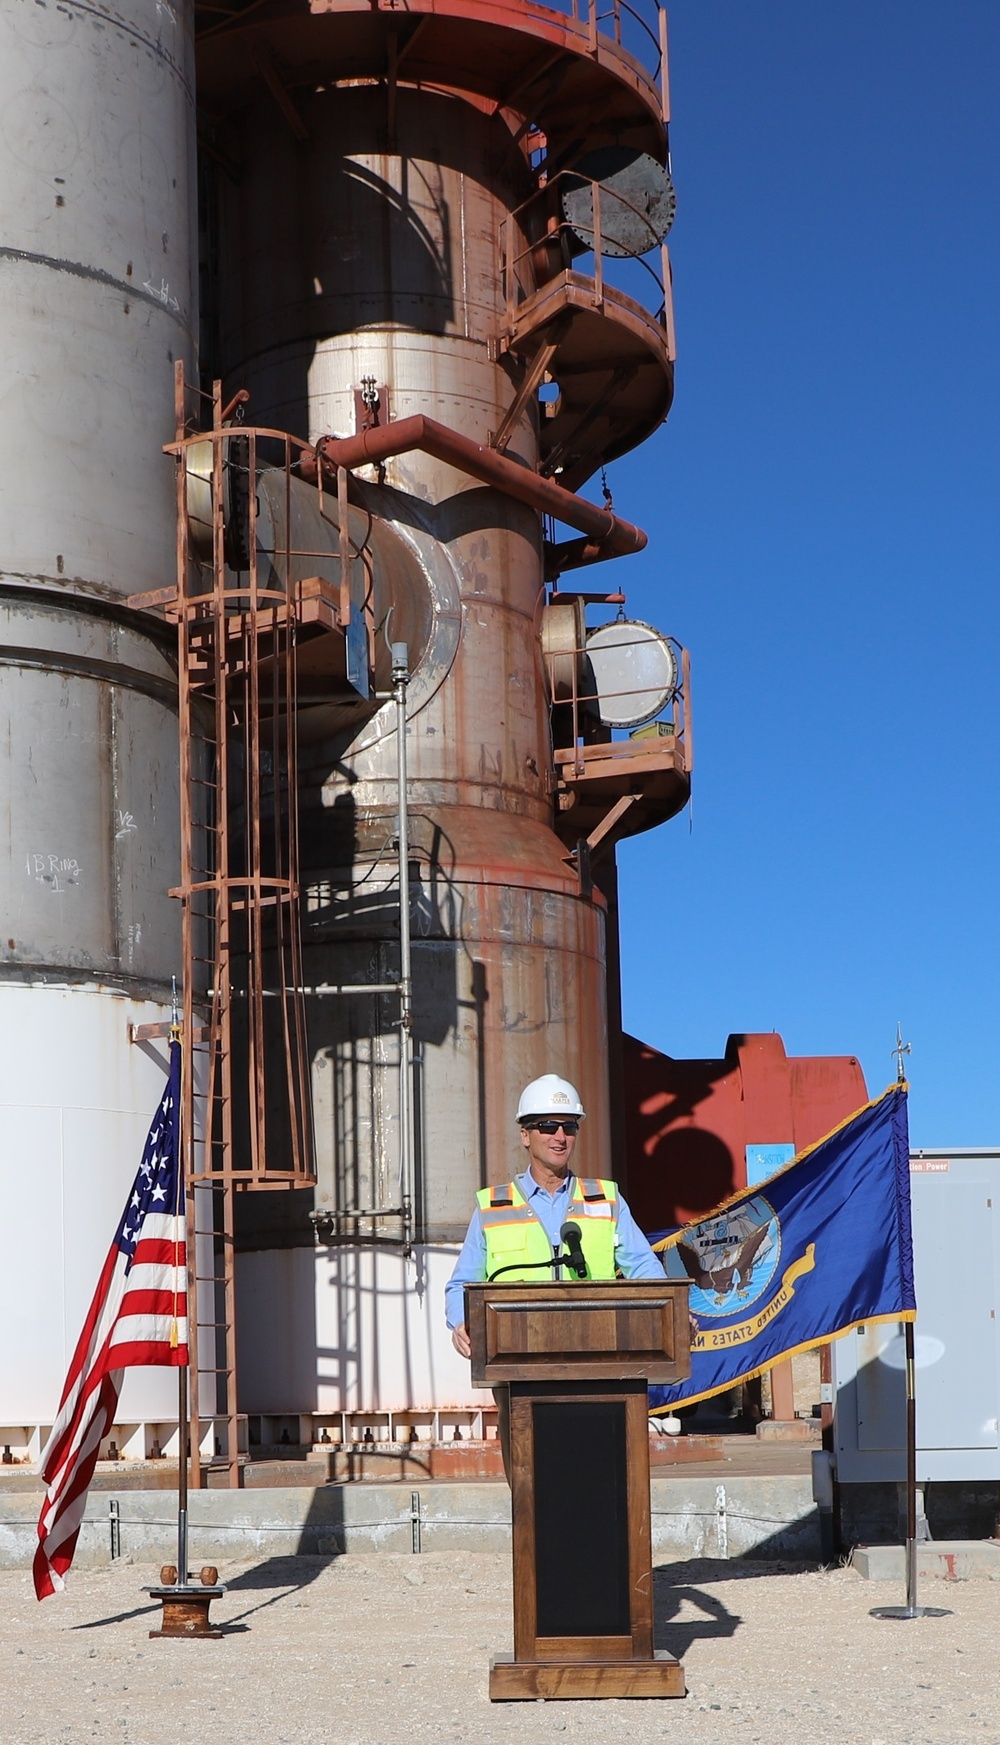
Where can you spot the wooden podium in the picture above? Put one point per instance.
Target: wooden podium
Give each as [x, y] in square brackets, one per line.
[577, 1358]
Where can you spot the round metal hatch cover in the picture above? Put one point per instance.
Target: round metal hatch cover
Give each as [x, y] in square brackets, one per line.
[637, 200]
[635, 672]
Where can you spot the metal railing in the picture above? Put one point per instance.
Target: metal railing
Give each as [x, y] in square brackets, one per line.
[580, 738]
[639, 27]
[538, 243]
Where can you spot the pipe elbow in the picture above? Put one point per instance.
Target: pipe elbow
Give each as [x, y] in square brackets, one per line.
[607, 535]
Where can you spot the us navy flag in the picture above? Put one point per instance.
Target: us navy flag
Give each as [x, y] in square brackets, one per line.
[821, 1246]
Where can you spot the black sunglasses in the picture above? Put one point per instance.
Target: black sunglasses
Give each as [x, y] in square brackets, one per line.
[570, 1128]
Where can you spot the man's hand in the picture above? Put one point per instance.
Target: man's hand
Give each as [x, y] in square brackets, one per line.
[461, 1341]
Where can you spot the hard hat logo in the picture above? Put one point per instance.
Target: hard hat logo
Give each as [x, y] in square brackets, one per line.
[549, 1095]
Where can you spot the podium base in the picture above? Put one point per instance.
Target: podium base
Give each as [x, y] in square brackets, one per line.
[514, 1681]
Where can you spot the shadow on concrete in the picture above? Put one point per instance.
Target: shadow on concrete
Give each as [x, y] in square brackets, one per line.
[290, 1575]
[231, 1627]
[693, 1569]
[669, 1596]
[677, 1584]
[293, 1572]
[118, 1618]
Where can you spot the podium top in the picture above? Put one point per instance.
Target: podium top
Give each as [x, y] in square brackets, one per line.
[608, 1330]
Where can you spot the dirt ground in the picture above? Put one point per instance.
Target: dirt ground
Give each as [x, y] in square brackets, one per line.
[386, 1650]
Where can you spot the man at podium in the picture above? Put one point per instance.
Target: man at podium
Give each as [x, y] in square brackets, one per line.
[520, 1227]
[569, 1371]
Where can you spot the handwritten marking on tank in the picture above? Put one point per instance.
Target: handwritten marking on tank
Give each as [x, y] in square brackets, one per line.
[97, 275]
[127, 825]
[58, 871]
[162, 293]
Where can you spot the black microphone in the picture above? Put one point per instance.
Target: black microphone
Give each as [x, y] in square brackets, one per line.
[570, 1235]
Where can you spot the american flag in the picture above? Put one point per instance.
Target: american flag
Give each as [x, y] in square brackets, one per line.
[138, 1316]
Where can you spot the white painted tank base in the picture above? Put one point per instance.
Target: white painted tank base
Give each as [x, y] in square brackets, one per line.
[333, 1330]
[76, 1102]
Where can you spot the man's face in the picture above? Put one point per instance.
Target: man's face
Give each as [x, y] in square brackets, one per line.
[550, 1151]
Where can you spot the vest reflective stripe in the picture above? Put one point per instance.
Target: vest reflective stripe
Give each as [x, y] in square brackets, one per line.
[516, 1238]
[493, 1219]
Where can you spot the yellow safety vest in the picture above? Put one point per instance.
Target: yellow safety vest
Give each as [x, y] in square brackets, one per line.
[514, 1235]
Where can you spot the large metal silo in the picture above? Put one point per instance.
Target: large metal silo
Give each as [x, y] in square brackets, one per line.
[97, 300]
[386, 242]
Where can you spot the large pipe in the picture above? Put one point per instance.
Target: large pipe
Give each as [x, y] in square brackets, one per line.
[400, 681]
[615, 537]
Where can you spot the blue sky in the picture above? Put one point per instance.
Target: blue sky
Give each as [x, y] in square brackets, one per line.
[822, 511]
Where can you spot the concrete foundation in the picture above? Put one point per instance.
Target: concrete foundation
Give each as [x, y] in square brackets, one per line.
[762, 1518]
[947, 1559]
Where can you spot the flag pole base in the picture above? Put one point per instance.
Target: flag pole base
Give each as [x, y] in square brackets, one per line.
[186, 1606]
[909, 1612]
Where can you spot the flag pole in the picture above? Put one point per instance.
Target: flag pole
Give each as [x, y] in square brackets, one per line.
[183, 1425]
[911, 1609]
[185, 1604]
[182, 1476]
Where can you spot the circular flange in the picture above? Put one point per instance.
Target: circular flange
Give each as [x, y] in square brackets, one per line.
[634, 670]
[637, 200]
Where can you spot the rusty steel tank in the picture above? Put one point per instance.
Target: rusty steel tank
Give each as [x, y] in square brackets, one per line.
[397, 272]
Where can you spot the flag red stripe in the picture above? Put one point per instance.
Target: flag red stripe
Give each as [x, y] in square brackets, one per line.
[90, 1324]
[82, 1437]
[161, 1354]
[77, 1478]
[59, 1555]
[107, 1389]
[89, 1362]
[151, 1249]
[153, 1302]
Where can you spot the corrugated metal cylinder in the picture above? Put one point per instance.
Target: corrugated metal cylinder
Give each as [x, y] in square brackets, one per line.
[96, 295]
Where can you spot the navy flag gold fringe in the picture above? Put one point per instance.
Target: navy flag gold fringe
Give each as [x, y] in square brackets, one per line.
[821, 1246]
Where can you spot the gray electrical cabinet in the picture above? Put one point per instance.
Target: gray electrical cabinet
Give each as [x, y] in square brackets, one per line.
[956, 1267]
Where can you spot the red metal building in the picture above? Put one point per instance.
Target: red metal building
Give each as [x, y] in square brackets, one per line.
[689, 1124]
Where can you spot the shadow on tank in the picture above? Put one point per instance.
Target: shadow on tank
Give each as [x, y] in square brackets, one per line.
[342, 231]
[350, 927]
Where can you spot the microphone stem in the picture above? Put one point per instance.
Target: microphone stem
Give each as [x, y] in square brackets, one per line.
[558, 1260]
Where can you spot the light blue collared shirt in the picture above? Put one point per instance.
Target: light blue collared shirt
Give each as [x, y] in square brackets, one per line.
[632, 1252]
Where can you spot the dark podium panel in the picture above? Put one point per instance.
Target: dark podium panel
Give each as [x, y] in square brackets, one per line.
[577, 1359]
[581, 1553]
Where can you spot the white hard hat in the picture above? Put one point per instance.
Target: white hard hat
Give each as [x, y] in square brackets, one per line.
[549, 1095]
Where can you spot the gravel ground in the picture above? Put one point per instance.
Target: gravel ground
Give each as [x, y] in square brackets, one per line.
[386, 1650]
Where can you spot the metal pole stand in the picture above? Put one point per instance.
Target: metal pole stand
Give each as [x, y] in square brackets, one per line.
[911, 1609]
[185, 1605]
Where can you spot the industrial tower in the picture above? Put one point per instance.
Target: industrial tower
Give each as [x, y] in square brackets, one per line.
[323, 670]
